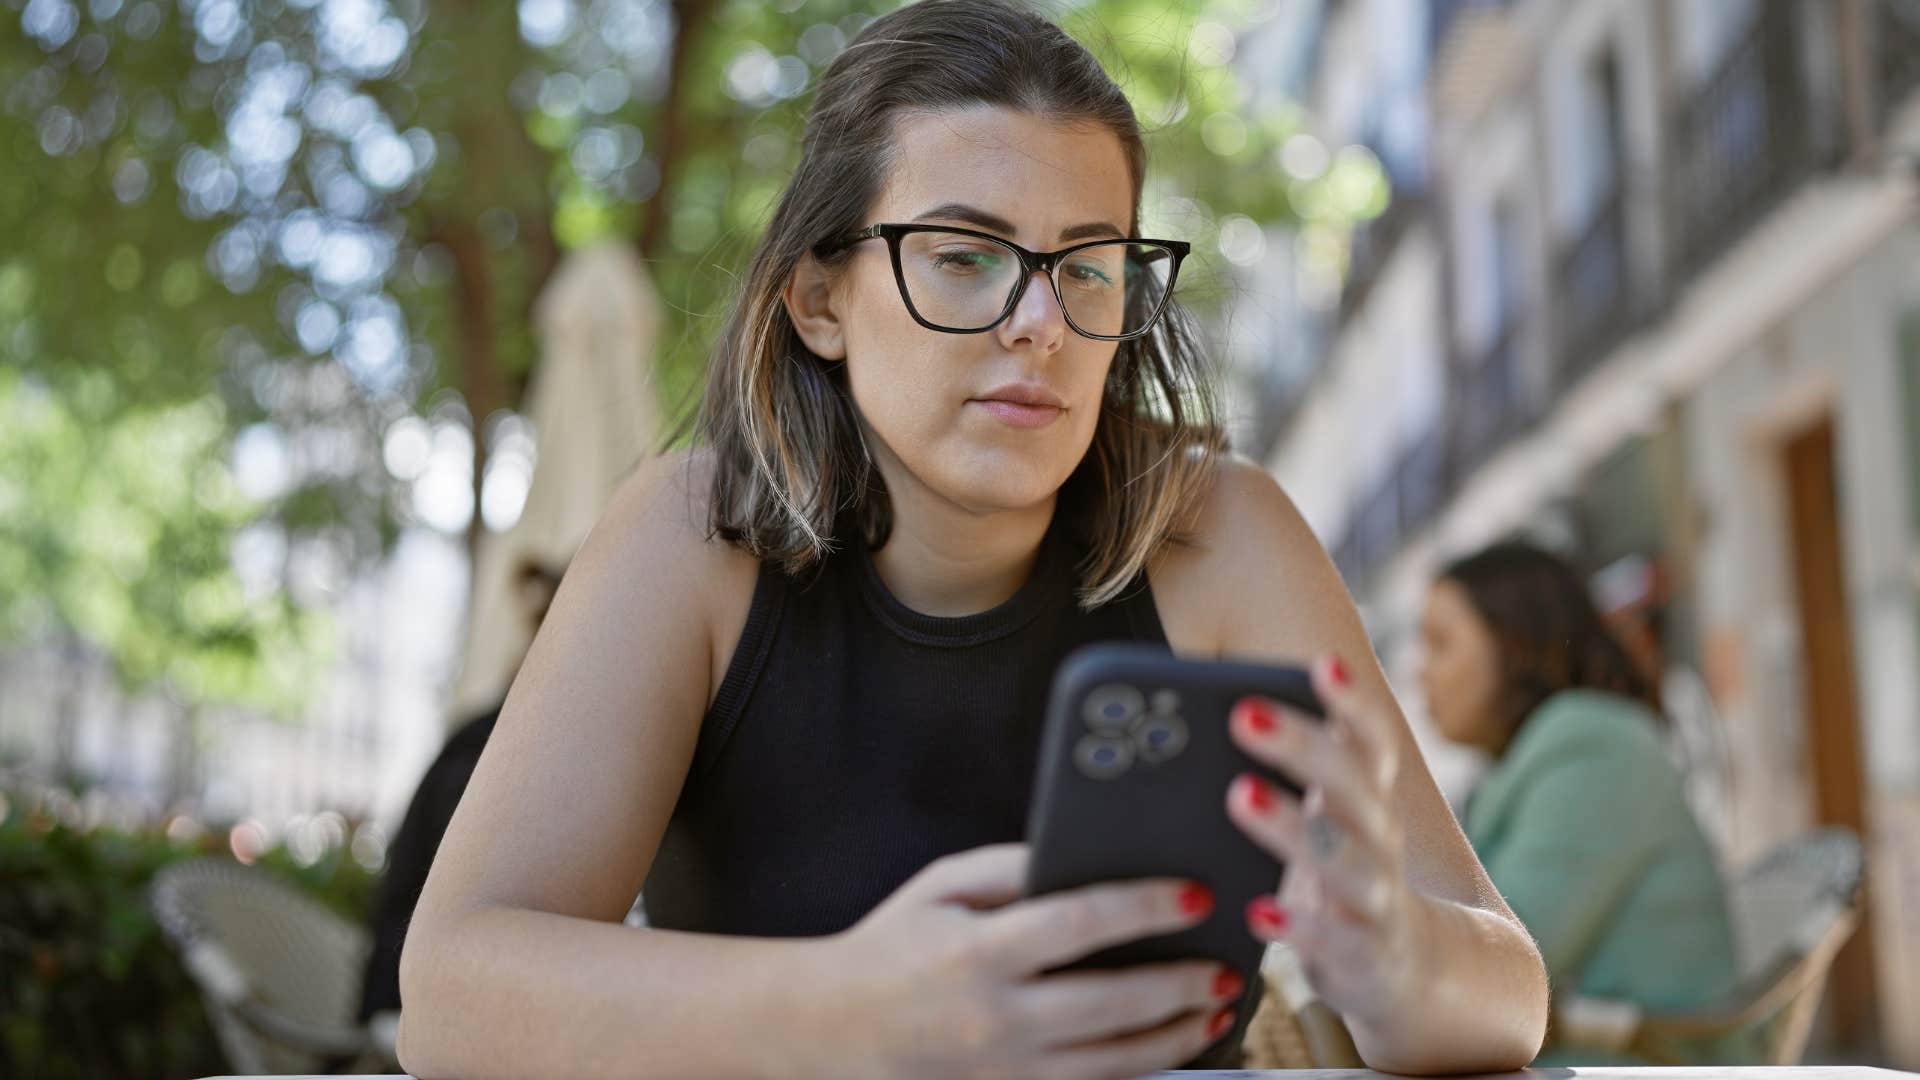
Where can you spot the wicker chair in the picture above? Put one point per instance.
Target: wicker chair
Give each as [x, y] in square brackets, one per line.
[1293, 1028]
[280, 974]
[1792, 911]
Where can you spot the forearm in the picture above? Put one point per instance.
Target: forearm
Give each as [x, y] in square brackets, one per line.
[512, 993]
[1479, 999]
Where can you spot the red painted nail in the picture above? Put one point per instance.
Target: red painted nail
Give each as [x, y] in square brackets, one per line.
[1255, 790]
[1259, 717]
[1195, 899]
[1337, 671]
[1266, 916]
[1221, 1023]
[1228, 984]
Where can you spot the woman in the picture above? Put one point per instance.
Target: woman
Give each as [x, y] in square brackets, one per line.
[1582, 821]
[794, 679]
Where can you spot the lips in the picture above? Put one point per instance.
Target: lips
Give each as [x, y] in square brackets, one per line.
[1024, 393]
[1022, 405]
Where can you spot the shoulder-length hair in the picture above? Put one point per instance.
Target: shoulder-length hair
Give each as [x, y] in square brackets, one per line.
[1548, 634]
[789, 466]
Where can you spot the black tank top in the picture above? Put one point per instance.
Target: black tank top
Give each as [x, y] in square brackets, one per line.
[854, 740]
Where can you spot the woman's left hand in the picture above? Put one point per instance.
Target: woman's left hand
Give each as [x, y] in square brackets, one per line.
[1346, 906]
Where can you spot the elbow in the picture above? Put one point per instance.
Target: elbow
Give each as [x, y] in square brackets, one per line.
[424, 1040]
[413, 1057]
[1515, 1045]
[1477, 1016]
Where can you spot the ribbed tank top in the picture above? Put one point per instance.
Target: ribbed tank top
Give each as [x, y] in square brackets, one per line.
[854, 740]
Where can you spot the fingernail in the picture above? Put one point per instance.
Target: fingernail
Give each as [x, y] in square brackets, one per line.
[1228, 984]
[1259, 717]
[1267, 918]
[1195, 899]
[1255, 791]
[1337, 671]
[1221, 1023]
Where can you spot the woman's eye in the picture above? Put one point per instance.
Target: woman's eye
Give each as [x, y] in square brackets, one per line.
[1085, 274]
[966, 260]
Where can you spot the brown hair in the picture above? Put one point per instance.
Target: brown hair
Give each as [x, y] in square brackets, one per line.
[1548, 634]
[790, 468]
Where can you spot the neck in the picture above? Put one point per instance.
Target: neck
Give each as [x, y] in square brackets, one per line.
[946, 560]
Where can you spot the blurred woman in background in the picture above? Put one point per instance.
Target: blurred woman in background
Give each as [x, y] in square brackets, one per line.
[1582, 821]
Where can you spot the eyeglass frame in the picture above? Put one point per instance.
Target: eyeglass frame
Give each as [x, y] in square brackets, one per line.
[1031, 262]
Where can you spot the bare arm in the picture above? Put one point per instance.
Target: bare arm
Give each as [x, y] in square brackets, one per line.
[1258, 584]
[516, 953]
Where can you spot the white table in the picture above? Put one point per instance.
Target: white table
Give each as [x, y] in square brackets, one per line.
[1802, 1072]
[1792, 1073]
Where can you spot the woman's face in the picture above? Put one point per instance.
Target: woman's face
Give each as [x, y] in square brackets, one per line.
[1459, 668]
[934, 404]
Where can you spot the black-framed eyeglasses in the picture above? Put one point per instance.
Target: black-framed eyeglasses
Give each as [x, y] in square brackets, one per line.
[960, 281]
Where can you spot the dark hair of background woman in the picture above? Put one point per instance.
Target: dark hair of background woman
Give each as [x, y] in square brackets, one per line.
[1548, 635]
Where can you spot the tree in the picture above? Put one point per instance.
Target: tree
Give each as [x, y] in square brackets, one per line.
[284, 230]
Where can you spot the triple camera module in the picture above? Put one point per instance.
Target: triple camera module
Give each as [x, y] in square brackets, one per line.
[1123, 728]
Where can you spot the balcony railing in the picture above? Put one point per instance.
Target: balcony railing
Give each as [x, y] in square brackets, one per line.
[1373, 244]
[1743, 139]
[1594, 306]
[1423, 479]
[1486, 405]
[1443, 14]
[1376, 532]
[1896, 37]
[1401, 502]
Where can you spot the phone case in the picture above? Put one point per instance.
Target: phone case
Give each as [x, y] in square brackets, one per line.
[1134, 768]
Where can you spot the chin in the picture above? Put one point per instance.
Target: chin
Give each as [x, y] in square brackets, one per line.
[998, 484]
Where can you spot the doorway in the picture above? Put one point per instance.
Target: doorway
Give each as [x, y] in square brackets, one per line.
[1829, 708]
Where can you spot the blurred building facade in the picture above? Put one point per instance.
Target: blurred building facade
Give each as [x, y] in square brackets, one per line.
[1655, 299]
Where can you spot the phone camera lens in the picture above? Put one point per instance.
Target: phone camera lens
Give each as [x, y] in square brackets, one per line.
[1161, 738]
[1103, 757]
[1114, 709]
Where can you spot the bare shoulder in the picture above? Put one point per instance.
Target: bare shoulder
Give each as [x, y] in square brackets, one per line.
[653, 554]
[601, 721]
[1252, 578]
[664, 506]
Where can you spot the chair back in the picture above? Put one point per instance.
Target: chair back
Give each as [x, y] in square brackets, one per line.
[1793, 910]
[255, 945]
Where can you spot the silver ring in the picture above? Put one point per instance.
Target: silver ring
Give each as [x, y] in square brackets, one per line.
[1324, 837]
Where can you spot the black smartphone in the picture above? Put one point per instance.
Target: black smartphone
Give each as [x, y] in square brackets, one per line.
[1135, 762]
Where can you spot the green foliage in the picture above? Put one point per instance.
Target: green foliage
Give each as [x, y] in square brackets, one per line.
[216, 216]
[122, 519]
[89, 987]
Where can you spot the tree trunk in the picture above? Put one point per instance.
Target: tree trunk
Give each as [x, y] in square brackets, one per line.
[690, 19]
[481, 380]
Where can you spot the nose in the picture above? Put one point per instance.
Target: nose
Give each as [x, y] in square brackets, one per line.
[1037, 321]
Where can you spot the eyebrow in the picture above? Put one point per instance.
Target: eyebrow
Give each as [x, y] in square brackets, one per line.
[995, 223]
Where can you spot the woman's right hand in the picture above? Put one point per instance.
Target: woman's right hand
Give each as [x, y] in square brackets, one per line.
[944, 979]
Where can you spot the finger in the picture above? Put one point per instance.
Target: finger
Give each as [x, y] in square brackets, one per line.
[1350, 867]
[1077, 1007]
[1362, 716]
[1338, 956]
[1309, 755]
[1141, 1053]
[984, 877]
[1047, 931]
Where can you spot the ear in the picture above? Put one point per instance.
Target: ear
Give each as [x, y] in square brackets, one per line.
[814, 309]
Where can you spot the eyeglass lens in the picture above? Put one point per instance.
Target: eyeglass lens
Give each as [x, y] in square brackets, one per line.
[963, 282]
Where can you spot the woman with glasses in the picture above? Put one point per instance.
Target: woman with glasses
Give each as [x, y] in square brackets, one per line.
[955, 426]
